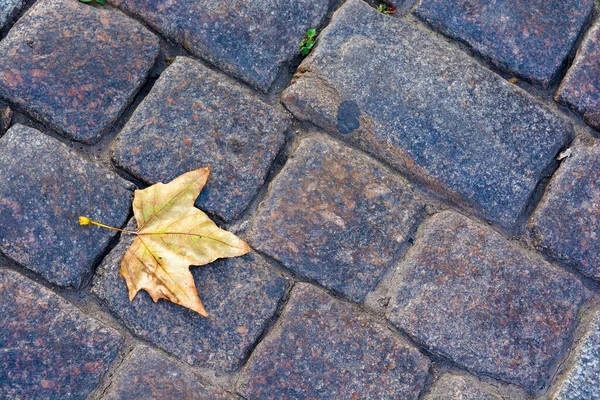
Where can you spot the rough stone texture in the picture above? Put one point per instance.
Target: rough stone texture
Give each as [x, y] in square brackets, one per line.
[249, 39]
[6, 114]
[566, 224]
[45, 187]
[583, 379]
[427, 109]
[336, 216]
[324, 349]
[194, 117]
[48, 348]
[453, 386]
[240, 295]
[75, 67]
[580, 89]
[529, 38]
[147, 374]
[7, 9]
[466, 293]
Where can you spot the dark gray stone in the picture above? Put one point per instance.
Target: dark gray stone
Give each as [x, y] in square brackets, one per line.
[325, 349]
[75, 67]
[147, 374]
[48, 348]
[466, 293]
[45, 187]
[250, 39]
[6, 114]
[336, 216]
[453, 386]
[566, 224]
[529, 38]
[428, 110]
[580, 89]
[240, 295]
[194, 117]
[582, 381]
[8, 8]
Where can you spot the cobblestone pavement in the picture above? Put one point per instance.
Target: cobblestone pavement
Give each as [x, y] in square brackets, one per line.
[421, 194]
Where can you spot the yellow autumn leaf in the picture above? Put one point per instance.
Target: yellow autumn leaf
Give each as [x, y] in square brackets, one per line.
[173, 235]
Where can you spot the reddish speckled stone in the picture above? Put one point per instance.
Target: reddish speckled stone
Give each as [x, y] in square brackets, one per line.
[468, 294]
[250, 39]
[240, 295]
[194, 117]
[147, 374]
[566, 224]
[336, 216]
[6, 115]
[424, 107]
[48, 348]
[580, 89]
[325, 349]
[44, 187]
[75, 67]
[529, 38]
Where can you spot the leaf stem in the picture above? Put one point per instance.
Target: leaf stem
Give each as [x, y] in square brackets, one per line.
[86, 221]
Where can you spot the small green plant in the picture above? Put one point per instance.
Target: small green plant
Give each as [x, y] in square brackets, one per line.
[308, 42]
[386, 8]
[101, 2]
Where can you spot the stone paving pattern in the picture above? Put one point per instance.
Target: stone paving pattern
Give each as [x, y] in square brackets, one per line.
[414, 233]
[79, 92]
[179, 128]
[422, 106]
[529, 38]
[50, 349]
[580, 89]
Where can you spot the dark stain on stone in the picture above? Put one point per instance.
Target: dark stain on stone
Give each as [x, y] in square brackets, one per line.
[348, 117]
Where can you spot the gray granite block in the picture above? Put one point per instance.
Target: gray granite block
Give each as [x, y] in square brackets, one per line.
[8, 8]
[566, 224]
[240, 295]
[194, 117]
[529, 38]
[45, 187]
[580, 89]
[325, 349]
[148, 374]
[582, 381]
[75, 67]
[336, 216]
[468, 294]
[453, 386]
[429, 110]
[48, 348]
[250, 39]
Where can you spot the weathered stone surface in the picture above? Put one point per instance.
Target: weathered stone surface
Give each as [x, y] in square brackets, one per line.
[336, 216]
[48, 348]
[6, 114]
[583, 379]
[7, 9]
[453, 386]
[147, 374]
[580, 89]
[466, 293]
[325, 349]
[428, 110]
[240, 295]
[566, 224]
[75, 67]
[249, 39]
[194, 117]
[45, 187]
[530, 39]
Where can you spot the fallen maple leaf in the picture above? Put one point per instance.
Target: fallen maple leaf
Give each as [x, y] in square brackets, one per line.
[172, 235]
